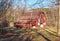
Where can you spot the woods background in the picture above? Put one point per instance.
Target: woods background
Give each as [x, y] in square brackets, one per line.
[7, 12]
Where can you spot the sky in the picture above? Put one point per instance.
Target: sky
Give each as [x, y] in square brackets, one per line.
[39, 4]
[35, 3]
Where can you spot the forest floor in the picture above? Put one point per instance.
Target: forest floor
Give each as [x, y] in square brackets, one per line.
[33, 34]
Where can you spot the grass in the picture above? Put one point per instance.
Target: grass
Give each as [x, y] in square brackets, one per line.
[52, 29]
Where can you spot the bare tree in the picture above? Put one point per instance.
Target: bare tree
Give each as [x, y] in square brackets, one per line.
[4, 6]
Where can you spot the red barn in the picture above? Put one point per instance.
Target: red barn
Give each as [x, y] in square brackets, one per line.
[29, 19]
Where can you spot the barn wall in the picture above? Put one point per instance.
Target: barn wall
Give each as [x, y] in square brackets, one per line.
[52, 16]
